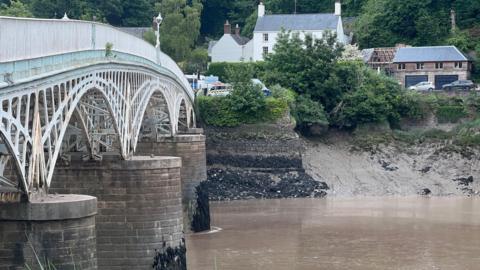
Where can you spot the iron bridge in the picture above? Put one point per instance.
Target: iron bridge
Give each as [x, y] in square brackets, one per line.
[76, 86]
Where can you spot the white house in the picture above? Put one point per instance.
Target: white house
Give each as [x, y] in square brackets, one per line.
[231, 47]
[269, 26]
[234, 48]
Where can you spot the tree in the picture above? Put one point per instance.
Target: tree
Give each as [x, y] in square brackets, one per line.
[386, 22]
[308, 112]
[247, 99]
[15, 9]
[197, 61]
[180, 28]
[304, 65]
[137, 13]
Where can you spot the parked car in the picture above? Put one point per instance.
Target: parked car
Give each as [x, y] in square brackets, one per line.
[465, 85]
[422, 86]
[265, 90]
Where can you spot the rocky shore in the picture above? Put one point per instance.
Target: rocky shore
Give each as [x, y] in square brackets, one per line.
[254, 162]
[228, 184]
[258, 162]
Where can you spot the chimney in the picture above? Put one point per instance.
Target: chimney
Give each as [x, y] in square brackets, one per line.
[261, 9]
[237, 30]
[338, 8]
[227, 28]
[453, 19]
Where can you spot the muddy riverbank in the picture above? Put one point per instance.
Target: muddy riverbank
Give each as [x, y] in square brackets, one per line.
[353, 167]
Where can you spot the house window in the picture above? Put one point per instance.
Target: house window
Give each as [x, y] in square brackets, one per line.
[265, 50]
[265, 37]
[420, 65]
[401, 66]
[439, 65]
[458, 64]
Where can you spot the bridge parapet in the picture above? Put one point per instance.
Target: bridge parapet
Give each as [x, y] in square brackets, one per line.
[35, 39]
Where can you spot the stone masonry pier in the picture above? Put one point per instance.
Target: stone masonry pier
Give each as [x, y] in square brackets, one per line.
[58, 227]
[139, 206]
[191, 149]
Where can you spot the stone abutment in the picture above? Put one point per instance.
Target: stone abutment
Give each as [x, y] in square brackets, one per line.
[191, 149]
[139, 207]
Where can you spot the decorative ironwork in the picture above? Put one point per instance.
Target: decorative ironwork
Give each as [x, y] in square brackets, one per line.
[96, 109]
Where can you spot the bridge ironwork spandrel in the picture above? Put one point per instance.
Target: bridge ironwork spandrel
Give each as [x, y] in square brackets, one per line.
[69, 85]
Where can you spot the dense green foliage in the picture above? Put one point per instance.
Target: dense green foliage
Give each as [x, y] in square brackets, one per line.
[246, 104]
[333, 91]
[180, 28]
[15, 9]
[221, 69]
[387, 22]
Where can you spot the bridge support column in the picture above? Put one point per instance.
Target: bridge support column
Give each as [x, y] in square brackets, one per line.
[191, 148]
[139, 207]
[59, 229]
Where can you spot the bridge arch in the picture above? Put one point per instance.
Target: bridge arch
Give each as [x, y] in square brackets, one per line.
[46, 85]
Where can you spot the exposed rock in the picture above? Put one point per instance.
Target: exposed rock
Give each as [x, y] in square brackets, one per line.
[464, 181]
[387, 166]
[426, 169]
[171, 258]
[237, 185]
[424, 192]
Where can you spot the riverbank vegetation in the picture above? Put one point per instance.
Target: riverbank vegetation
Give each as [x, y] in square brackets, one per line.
[319, 87]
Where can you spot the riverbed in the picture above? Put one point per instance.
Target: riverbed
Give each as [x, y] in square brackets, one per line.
[340, 233]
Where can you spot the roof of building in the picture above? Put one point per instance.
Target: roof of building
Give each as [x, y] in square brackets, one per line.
[429, 54]
[240, 40]
[367, 54]
[321, 21]
[211, 44]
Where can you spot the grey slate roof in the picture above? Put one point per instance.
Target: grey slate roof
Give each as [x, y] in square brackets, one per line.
[429, 54]
[240, 40]
[367, 54]
[297, 22]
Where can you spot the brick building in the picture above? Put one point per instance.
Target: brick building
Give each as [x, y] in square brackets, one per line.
[440, 65]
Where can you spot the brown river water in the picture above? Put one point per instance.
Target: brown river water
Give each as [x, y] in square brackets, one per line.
[337, 233]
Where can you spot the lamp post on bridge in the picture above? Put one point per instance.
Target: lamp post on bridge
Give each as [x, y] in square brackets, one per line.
[156, 26]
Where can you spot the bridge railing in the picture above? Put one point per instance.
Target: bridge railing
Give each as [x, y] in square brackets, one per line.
[26, 38]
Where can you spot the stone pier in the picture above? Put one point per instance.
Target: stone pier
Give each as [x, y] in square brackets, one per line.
[139, 206]
[56, 229]
[191, 149]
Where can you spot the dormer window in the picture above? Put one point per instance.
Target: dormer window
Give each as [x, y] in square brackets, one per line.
[439, 65]
[420, 65]
[458, 64]
[265, 37]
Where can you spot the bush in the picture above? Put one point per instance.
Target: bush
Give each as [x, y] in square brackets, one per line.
[276, 108]
[450, 113]
[217, 111]
[223, 112]
[220, 69]
[308, 112]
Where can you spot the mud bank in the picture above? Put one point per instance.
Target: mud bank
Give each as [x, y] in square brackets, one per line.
[351, 168]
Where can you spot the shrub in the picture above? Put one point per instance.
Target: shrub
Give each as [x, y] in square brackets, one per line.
[216, 111]
[220, 69]
[276, 108]
[283, 93]
[450, 113]
[308, 112]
